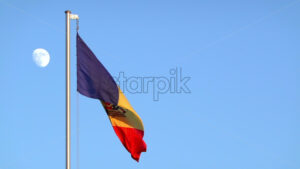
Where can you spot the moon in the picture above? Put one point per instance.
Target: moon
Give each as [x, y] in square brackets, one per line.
[41, 57]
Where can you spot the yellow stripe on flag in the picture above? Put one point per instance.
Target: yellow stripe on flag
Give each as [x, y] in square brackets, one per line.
[131, 118]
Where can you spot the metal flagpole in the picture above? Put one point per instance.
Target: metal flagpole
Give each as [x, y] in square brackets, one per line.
[68, 101]
[68, 127]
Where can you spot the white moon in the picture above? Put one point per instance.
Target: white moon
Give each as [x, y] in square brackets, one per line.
[41, 57]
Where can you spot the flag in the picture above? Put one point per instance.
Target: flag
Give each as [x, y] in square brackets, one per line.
[94, 81]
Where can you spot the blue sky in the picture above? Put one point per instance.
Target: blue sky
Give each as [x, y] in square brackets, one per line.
[243, 111]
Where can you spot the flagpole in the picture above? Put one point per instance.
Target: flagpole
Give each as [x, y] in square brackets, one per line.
[68, 127]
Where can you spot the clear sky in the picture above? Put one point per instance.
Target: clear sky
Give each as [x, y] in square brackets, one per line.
[242, 111]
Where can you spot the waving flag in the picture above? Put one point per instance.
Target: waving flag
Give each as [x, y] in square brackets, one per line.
[94, 81]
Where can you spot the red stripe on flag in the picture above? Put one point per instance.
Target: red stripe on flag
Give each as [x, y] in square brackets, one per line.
[132, 139]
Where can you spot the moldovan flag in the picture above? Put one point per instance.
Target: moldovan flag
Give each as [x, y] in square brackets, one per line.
[94, 81]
